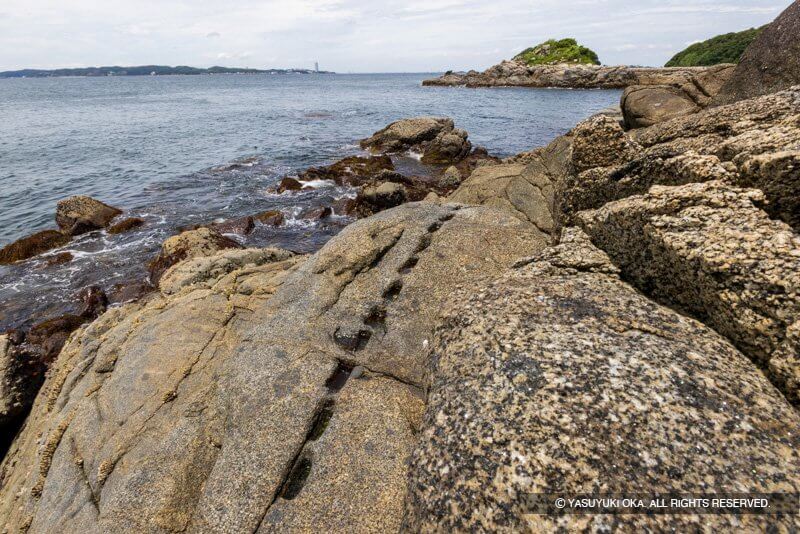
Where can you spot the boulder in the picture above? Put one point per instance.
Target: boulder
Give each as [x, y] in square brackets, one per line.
[407, 134]
[80, 214]
[560, 378]
[600, 142]
[525, 191]
[125, 225]
[93, 302]
[48, 337]
[771, 63]
[707, 250]
[31, 246]
[447, 147]
[286, 392]
[645, 105]
[189, 244]
[373, 199]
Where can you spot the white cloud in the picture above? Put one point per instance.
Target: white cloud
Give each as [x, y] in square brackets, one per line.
[354, 35]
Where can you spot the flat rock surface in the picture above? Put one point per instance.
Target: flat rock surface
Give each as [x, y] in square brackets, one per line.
[559, 377]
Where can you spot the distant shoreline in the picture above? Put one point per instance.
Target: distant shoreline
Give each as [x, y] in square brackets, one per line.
[145, 70]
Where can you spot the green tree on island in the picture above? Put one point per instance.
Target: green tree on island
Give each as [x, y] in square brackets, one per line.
[727, 48]
[552, 52]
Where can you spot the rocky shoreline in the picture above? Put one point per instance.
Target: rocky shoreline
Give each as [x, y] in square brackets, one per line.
[616, 312]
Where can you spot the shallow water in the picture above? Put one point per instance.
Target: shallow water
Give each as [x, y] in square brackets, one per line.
[180, 150]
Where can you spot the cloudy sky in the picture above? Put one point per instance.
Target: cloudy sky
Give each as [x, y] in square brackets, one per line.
[355, 35]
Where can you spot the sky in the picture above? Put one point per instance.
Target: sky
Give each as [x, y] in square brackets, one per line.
[355, 36]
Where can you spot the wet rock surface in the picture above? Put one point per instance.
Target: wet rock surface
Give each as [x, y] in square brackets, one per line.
[81, 214]
[435, 138]
[561, 378]
[31, 246]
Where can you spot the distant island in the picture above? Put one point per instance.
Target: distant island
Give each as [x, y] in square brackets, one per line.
[147, 70]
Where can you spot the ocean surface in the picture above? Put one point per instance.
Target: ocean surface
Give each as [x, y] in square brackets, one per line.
[182, 150]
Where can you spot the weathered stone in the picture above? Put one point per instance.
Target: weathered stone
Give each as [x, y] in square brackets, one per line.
[93, 302]
[451, 178]
[523, 190]
[707, 250]
[752, 143]
[645, 105]
[81, 214]
[600, 142]
[190, 244]
[31, 246]
[373, 199]
[560, 378]
[771, 63]
[210, 268]
[205, 409]
[21, 375]
[447, 147]
[407, 134]
[126, 225]
[48, 337]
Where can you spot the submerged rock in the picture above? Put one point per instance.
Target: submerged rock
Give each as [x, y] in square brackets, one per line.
[31, 246]
[126, 225]
[80, 214]
[352, 170]
[560, 378]
[270, 217]
[373, 199]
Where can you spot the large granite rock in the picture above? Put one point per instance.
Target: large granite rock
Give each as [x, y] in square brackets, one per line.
[282, 393]
[754, 143]
[645, 105]
[771, 63]
[561, 378]
[435, 138]
[518, 189]
[707, 249]
[696, 80]
[80, 214]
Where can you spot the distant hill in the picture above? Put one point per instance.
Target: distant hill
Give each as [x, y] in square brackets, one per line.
[553, 52]
[727, 48]
[146, 70]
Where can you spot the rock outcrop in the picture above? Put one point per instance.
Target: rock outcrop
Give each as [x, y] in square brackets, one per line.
[770, 64]
[754, 143]
[193, 243]
[561, 378]
[706, 249]
[285, 393]
[578, 76]
[81, 214]
[436, 138]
